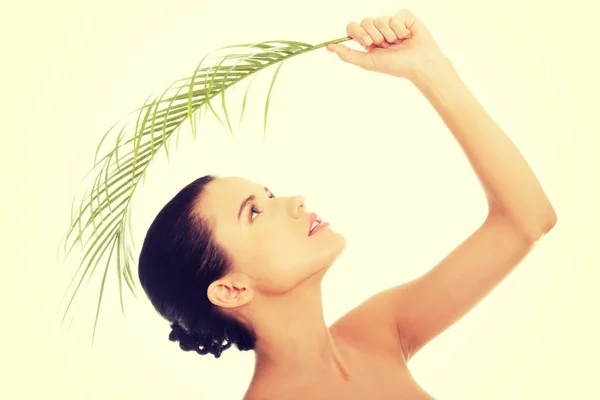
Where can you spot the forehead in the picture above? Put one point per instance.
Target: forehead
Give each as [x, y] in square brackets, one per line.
[222, 197]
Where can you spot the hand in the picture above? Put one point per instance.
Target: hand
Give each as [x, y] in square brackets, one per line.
[399, 46]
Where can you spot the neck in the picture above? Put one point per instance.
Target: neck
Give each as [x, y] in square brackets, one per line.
[293, 339]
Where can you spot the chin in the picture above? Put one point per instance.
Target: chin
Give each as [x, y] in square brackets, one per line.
[341, 244]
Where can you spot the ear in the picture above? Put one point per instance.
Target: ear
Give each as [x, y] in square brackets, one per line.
[228, 293]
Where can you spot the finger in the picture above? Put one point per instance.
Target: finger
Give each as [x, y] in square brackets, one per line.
[403, 17]
[355, 57]
[399, 28]
[369, 48]
[383, 25]
[372, 31]
[357, 32]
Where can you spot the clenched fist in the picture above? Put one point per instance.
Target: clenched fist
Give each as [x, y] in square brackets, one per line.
[399, 46]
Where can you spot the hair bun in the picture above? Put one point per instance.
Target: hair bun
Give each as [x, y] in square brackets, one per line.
[176, 331]
[189, 341]
[180, 334]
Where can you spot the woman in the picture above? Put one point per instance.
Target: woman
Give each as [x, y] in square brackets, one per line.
[227, 262]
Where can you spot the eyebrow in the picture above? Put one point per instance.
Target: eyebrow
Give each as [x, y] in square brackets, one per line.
[249, 199]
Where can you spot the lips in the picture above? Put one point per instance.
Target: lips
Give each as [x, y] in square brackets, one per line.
[312, 218]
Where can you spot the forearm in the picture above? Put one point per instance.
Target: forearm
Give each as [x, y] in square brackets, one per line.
[509, 183]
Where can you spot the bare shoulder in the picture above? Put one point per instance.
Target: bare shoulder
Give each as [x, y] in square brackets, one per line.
[370, 344]
[368, 327]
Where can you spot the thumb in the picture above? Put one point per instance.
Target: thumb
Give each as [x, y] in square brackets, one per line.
[348, 55]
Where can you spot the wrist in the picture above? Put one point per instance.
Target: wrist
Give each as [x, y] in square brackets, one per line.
[433, 71]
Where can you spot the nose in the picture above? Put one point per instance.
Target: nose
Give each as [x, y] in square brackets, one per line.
[298, 204]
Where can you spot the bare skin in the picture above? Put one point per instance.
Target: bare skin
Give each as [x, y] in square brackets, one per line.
[275, 286]
[374, 365]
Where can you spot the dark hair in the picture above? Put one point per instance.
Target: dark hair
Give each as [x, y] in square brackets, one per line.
[178, 261]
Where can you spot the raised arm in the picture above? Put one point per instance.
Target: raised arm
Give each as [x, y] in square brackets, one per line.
[519, 213]
[509, 183]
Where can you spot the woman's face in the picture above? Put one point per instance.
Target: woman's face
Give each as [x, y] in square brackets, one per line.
[269, 241]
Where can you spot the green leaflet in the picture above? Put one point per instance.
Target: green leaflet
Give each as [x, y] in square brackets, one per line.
[105, 210]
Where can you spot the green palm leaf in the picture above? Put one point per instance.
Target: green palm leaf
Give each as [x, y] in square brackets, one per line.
[105, 208]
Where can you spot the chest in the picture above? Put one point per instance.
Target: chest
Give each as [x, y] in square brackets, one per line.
[373, 376]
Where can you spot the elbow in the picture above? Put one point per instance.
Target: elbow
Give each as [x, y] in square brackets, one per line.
[531, 230]
[551, 221]
[536, 232]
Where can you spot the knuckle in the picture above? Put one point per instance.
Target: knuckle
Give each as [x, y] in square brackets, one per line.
[403, 14]
[397, 25]
[381, 22]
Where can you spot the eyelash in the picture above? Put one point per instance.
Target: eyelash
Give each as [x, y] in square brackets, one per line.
[254, 209]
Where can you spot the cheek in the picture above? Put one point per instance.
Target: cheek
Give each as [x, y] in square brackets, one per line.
[279, 254]
[285, 247]
[272, 252]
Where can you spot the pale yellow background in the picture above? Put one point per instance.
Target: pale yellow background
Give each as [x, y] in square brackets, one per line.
[366, 150]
